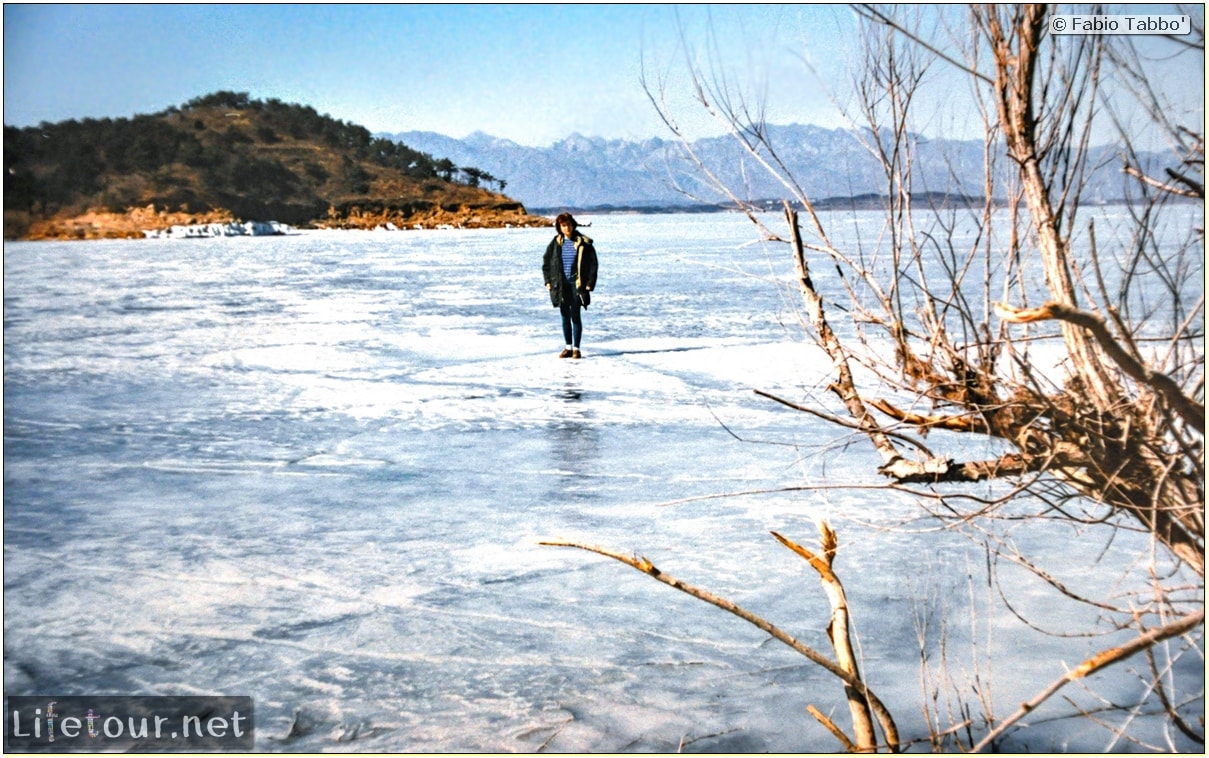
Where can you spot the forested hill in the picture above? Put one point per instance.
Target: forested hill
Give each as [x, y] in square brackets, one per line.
[226, 156]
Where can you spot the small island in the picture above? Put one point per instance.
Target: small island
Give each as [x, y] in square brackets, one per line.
[227, 164]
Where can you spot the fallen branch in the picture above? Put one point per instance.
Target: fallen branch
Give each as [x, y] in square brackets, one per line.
[685, 741]
[837, 631]
[645, 566]
[554, 734]
[831, 727]
[1094, 664]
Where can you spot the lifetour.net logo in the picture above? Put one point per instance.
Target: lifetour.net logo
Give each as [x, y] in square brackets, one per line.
[83, 724]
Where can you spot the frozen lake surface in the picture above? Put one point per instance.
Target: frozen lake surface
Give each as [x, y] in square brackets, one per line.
[315, 470]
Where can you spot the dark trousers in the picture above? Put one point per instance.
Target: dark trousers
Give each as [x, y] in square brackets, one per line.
[573, 325]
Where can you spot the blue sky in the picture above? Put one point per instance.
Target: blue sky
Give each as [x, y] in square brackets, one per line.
[530, 73]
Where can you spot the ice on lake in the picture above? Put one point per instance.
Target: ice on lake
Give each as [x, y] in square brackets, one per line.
[315, 470]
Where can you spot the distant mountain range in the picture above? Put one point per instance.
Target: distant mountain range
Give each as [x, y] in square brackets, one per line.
[592, 172]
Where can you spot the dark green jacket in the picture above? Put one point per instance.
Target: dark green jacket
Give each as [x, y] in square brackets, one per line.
[583, 270]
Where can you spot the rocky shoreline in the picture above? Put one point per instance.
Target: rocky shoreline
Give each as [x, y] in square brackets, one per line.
[150, 222]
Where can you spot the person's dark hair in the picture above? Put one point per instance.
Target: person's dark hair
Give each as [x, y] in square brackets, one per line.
[565, 217]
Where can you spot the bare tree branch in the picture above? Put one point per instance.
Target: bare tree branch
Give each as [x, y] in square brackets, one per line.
[1093, 403]
[1191, 411]
[838, 733]
[849, 679]
[837, 631]
[1095, 663]
[1191, 188]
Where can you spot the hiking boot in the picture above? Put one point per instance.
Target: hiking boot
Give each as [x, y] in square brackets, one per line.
[575, 353]
[568, 353]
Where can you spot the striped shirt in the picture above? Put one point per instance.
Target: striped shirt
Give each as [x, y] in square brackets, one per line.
[568, 257]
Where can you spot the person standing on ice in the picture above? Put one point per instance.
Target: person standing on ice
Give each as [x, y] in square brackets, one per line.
[569, 268]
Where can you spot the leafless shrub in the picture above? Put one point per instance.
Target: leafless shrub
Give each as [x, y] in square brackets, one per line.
[1016, 320]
